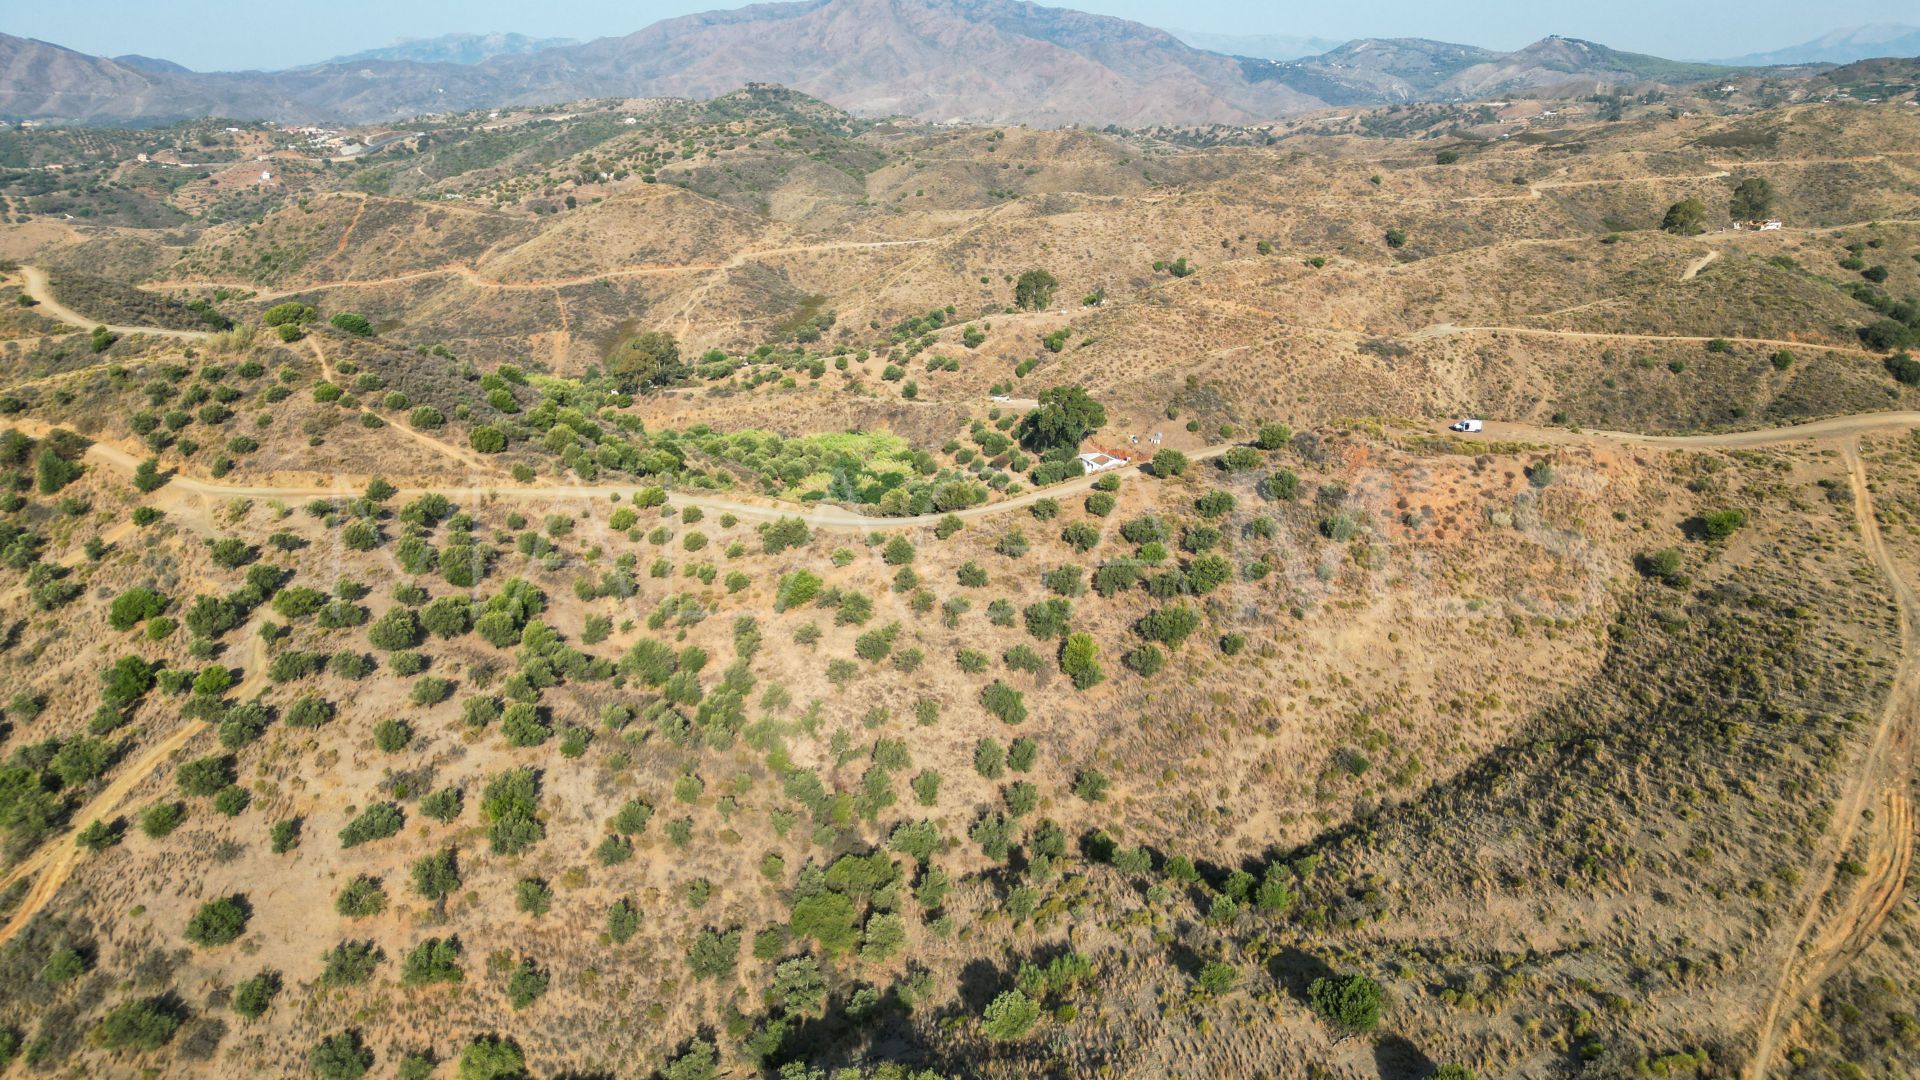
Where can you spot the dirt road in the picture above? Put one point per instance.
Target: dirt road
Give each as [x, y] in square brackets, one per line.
[54, 861]
[1448, 329]
[439, 446]
[473, 277]
[35, 284]
[1812, 958]
[1693, 268]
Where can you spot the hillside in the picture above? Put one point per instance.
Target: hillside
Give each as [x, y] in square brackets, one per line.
[611, 589]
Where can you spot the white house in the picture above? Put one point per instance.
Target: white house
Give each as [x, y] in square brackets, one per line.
[1099, 461]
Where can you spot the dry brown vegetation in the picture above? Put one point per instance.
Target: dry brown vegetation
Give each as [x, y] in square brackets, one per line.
[1587, 775]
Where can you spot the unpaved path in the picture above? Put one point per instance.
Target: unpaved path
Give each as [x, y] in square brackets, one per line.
[1813, 958]
[832, 517]
[439, 446]
[347, 233]
[473, 277]
[54, 861]
[1448, 329]
[1693, 268]
[35, 284]
[835, 517]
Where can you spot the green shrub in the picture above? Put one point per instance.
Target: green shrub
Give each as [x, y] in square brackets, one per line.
[1079, 660]
[376, 822]
[341, 1056]
[254, 996]
[1351, 1002]
[219, 922]
[352, 323]
[360, 898]
[1004, 702]
[1009, 1016]
[1720, 524]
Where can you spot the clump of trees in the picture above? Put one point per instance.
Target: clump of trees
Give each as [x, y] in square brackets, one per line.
[1034, 290]
[1752, 199]
[649, 359]
[1065, 416]
[1688, 217]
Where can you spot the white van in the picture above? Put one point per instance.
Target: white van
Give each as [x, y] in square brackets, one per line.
[1465, 425]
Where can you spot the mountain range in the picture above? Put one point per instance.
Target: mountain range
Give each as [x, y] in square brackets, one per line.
[1841, 47]
[454, 49]
[995, 61]
[1258, 46]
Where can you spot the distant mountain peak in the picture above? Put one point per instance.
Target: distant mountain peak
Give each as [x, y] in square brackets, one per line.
[150, 63]
[453, 49]
[1843, 46]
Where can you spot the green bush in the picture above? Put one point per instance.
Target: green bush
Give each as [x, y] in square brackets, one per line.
[487, 439]
[1720, 524]
[435, 960]
[1004, 702]
[376, 822]
[1079, 660]
[136, 1025]
[353, 323]
[436, 875]
[350, 963]
[526, 984]
[1688, 217]
[253, 997]
[291, 312]
[219, 922]
[1009, 1016]
[1351, 1002]
[360, 898]
[1147, 661]
[341, 1056]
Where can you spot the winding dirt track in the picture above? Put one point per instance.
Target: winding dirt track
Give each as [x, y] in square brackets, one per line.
[35, 285]
[439, 446]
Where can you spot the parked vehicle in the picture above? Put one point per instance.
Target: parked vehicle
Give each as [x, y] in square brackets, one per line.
[1465, 425]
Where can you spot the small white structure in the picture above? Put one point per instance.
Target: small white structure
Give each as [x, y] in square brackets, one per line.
[1769, 226]
[266, 178]
[1464, 425]
[1099, 461]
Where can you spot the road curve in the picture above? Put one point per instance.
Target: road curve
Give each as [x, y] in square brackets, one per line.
[37, 287]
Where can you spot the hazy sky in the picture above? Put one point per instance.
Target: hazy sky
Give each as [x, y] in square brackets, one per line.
[210, 35]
